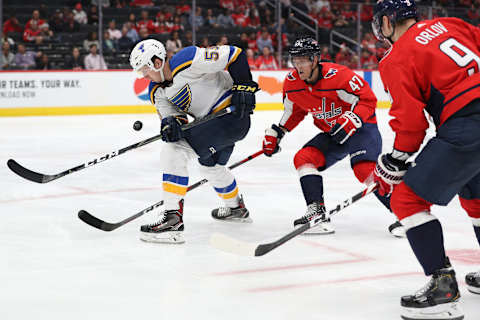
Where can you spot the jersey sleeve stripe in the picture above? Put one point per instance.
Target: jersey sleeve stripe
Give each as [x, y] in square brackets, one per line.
[181, 67]
[234, 53]
[152, 93]
[288, 105]
[222, 102]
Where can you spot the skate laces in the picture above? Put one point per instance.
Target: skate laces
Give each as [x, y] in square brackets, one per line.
[224, 211]
[425, 288]
[314, 209]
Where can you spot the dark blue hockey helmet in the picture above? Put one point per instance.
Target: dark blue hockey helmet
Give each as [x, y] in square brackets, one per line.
[395, 10]
[306, 47]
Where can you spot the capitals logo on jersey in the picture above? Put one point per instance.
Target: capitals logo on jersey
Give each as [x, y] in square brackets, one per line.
[330, 73]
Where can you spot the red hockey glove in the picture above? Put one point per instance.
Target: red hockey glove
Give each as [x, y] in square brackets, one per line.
[388, 173]
[347, 124]
[272, 138]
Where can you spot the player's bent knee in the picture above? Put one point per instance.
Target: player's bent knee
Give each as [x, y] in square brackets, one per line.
[405, 203]
[363, 170]
[309, 156]
[472, 206]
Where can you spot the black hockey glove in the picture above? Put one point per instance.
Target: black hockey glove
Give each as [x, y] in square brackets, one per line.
[171, 128]
[243, 98]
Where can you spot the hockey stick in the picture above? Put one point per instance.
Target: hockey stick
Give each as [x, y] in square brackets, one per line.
[45, 178]
[106, 226]
[228, 244]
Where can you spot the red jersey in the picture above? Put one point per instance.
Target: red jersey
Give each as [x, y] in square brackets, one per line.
[434, 66]
[338, 89]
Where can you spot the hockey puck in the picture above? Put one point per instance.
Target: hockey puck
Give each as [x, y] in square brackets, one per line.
[137, 125]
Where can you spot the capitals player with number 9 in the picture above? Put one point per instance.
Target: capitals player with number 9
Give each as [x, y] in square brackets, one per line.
[343, 107]
[432, 66]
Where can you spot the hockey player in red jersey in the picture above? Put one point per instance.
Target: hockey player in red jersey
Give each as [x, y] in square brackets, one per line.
[432, 66]
[343, 107]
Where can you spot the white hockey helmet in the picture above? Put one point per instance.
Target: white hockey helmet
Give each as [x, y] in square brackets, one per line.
[142, 54]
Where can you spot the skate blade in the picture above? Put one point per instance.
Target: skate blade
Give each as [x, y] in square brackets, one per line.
[172, 237]
[236, 220]
[444, 311]
[473, 289]
[399, 232]
[320, 229]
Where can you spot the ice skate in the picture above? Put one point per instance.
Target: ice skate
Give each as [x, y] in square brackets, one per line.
[237, 214]
[397, 229]
[315, 210]
[169, 229]
[473, 282]
[437, 300]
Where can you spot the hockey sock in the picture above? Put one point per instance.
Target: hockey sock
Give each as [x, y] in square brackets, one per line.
[477, 233]
[384, 200]
[312, 187]
[426, 241]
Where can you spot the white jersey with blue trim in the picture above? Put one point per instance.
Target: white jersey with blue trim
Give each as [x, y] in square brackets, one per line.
[201, 85]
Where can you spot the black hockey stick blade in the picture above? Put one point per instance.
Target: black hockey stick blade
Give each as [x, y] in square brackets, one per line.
[107, 226]
[29, 174]
[229, 244]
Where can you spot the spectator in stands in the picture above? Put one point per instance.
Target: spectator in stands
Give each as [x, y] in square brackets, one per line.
[183, 7]
[325, 54]
[119, 4]
[32, 32]
[222, 41]
[115, 34]
[368, 61]
[319, 5]
[367, 11]
[75, 62]
[24, 59]
[340, 20]
[94, 61]
[161, 24]
[227, 4]
[343, 56]
[141, 3]
[6, 38]
[131, 32]
[188, 39]
[252, 42]
[243, 42]
[143, 33]
[145, 22]
[71, 25]
[34, 20]
[205, 43]
[369, 42]
[264, 40]
[6, 57]
[239, 17]
[92, 39]
[253, 20]
[174, 43]
[177, 24]
[210, 19]
[12, 24]
[109, 45]
[45, 33]
[93, 15]
[56, 22]
[43, 63]
[266, 60]
[224, 19]
[251, 59]
[199, 21]
[125, 42]
[79, 15]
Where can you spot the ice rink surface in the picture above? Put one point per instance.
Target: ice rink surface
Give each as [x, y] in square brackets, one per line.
[53, 266]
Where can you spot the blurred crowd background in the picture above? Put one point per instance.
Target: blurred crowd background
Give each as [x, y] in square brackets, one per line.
[98, 34]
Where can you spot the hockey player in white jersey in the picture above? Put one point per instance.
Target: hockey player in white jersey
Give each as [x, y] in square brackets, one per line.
[196, 82]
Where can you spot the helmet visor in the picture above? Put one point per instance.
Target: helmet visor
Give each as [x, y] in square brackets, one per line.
[377, 27]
